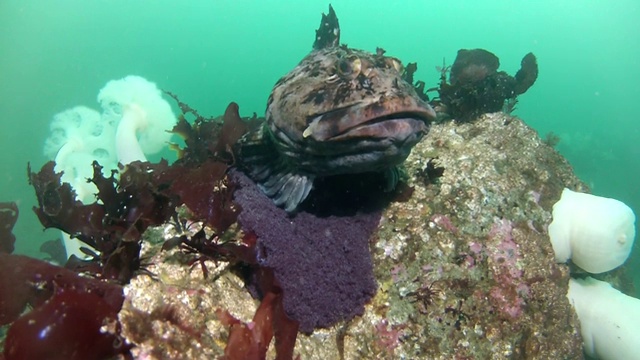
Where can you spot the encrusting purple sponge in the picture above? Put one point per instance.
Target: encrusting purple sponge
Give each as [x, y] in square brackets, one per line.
[322, 264]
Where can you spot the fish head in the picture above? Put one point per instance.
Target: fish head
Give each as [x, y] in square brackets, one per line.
[339, 111]
[343, 110]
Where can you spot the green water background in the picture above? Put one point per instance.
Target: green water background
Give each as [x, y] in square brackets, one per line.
[56, 54]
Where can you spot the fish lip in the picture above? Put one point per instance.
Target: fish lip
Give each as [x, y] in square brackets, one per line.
[424, 116]
[399, 130]
[336, 124]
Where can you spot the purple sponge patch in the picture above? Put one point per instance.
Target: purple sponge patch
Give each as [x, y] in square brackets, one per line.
[322, 264]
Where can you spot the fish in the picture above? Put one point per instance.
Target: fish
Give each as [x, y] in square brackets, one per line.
[339, 111]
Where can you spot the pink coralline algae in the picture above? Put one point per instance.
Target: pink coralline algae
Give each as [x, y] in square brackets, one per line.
[510, 290]
[475, 254]
[398, 271]
[535, 196]
[442, 221]
[388, 336]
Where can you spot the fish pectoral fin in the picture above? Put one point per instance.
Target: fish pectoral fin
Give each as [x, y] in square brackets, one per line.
[392, 177]
[259, 158]
[287, 189]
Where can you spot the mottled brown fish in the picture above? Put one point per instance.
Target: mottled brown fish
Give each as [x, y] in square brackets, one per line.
[339, 111]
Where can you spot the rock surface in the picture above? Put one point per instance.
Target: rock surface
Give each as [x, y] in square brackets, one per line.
[465, 269]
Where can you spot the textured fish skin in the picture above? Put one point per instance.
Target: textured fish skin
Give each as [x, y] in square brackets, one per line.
[339, 111]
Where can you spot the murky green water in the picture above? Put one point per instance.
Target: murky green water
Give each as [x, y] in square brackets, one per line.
[56, 54]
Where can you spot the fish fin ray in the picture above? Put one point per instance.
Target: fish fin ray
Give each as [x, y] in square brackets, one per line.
[261, 161]
[328, 34]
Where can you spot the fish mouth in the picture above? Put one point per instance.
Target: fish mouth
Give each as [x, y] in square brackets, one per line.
[396, 119]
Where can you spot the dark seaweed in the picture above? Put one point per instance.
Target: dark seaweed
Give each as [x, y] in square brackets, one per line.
[418, 86]
[431, 172]
[114, 227]
[55, 250]
[476, 87]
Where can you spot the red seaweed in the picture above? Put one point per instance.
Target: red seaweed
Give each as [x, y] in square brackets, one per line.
[250, 341]
[68, 326]
[146, 195]
[202, 182]
[68, 310]
[114, 226]
[211, 138]
[208, 193]
[233, 127]
[27, 281]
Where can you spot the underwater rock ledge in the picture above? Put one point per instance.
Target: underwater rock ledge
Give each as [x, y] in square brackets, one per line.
[464, 268]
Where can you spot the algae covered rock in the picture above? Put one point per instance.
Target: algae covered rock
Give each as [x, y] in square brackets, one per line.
[465, 266]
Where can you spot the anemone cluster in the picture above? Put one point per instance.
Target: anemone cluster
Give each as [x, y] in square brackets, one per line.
[135, 122]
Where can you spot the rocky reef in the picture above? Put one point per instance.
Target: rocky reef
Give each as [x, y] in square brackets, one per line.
[474, 256]
[464, 267]
[191, 260]
[196, 263]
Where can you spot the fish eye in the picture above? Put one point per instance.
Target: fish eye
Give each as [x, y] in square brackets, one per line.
[350, 66]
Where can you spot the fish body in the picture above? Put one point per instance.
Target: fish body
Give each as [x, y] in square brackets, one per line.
[339, 111]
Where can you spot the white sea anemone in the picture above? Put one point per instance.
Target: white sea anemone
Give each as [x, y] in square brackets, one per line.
[596, 233]
[609, 319]
[144, 117]
[78, 137]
